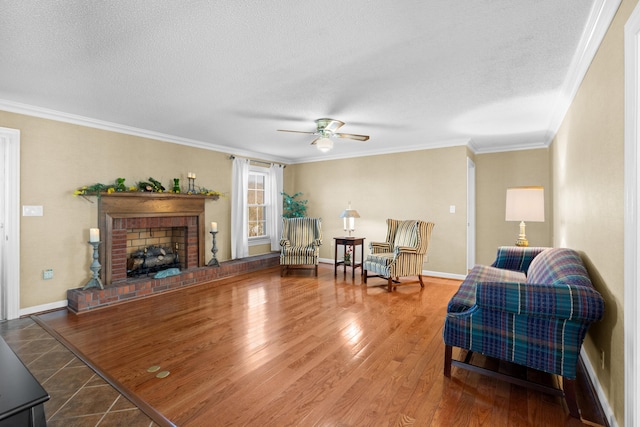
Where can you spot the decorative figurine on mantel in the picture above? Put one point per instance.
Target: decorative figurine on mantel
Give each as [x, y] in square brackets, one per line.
[176, 185]
[94, 240]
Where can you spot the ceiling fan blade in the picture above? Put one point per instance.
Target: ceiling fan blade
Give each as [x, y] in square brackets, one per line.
[296, 131]
[315, 141]
[352, 136]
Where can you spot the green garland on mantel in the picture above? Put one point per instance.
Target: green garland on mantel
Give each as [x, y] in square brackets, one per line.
[149, 186]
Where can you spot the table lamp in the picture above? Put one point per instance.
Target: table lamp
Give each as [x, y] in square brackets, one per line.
[349, 217]
[524, 204]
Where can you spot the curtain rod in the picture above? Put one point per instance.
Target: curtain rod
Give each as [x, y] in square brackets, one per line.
[231, 157]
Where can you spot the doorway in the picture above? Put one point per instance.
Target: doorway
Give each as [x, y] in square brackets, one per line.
[10, 223]
[471, 214]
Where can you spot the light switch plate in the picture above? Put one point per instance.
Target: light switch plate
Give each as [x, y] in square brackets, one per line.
[32, 210]
[452, 209]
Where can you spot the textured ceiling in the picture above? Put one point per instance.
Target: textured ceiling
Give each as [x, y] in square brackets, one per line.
[496, 74]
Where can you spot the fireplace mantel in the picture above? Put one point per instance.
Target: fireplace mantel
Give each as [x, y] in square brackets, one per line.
[116, 210]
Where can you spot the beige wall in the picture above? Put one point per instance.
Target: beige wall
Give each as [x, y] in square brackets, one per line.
[494, 174]
[414, 185]
[588, 157]
[57, 158]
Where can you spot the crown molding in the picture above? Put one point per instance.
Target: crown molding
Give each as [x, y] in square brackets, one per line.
[600, 19]
[45, 113]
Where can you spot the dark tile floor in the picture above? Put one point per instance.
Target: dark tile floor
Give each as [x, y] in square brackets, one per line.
[79, 396]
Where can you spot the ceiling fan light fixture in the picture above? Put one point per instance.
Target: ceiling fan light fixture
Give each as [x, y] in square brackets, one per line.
[324, 144]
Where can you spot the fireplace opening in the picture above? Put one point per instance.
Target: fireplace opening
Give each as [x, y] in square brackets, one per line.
[150, 250]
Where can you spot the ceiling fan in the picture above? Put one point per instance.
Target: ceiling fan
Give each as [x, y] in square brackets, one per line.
[325, 130]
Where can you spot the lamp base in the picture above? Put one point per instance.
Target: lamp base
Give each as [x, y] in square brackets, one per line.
[522, 237]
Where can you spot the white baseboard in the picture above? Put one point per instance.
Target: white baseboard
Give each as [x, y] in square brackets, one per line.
[424, 272]
[444, 275]
[604, 402]
[42, 308]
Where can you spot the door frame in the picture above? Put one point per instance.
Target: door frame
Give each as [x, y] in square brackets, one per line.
[471, 213]
[631, 215]
[10, 215]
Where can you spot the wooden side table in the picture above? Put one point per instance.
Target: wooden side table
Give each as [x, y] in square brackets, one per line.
[352, 242]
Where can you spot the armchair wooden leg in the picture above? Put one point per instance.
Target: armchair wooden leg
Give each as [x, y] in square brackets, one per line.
[420, 279]
[447, 360]
[389, 284]
[569, 387]
[316, 270]
[364, 273]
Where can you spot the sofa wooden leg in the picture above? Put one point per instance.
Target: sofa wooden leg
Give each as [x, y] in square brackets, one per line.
[420, 279]
[569, 387]
[316, 270]
[447, 360]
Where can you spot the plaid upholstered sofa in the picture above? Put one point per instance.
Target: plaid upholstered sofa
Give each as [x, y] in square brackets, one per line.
[532, 307]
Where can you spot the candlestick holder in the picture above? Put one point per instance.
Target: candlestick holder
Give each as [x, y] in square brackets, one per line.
[192, 185]
[214, 249]
[95, 269]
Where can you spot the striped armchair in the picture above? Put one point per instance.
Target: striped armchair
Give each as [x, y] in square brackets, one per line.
[402, 254]
[300, 243]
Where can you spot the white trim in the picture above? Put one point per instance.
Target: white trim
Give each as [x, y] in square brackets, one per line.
[600, 19]
[11, 234]
[604, 402]
[42, 308]
[443, 275]
[45, 113]
[393, 149]
[471, 213]
[631, 231]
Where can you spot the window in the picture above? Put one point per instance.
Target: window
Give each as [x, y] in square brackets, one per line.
[257, 205]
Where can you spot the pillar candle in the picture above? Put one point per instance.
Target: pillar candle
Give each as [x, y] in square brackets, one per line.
[94, 235]
[214, 226]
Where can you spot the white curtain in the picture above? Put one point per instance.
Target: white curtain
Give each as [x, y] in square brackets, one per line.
[239, 221]
[274, 227]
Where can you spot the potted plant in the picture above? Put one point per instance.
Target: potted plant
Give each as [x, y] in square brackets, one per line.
[293, 208]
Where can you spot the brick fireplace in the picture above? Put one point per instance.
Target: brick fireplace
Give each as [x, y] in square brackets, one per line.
[124, 216]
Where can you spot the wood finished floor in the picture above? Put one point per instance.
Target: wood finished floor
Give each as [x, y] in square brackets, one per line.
[263, 350]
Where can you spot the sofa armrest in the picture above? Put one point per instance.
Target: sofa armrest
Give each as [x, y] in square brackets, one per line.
[317, 242]
[378, 247]
[285, 242]
[516, 258]
[405, 249]
[562, 301]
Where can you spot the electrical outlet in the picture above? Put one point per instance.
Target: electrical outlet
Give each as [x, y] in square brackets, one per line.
[47, 274]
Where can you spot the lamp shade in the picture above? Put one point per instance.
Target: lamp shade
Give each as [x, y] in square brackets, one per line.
[349, 213]
[525, 204]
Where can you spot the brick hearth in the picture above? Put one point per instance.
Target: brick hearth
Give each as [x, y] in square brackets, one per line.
[80, 301]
